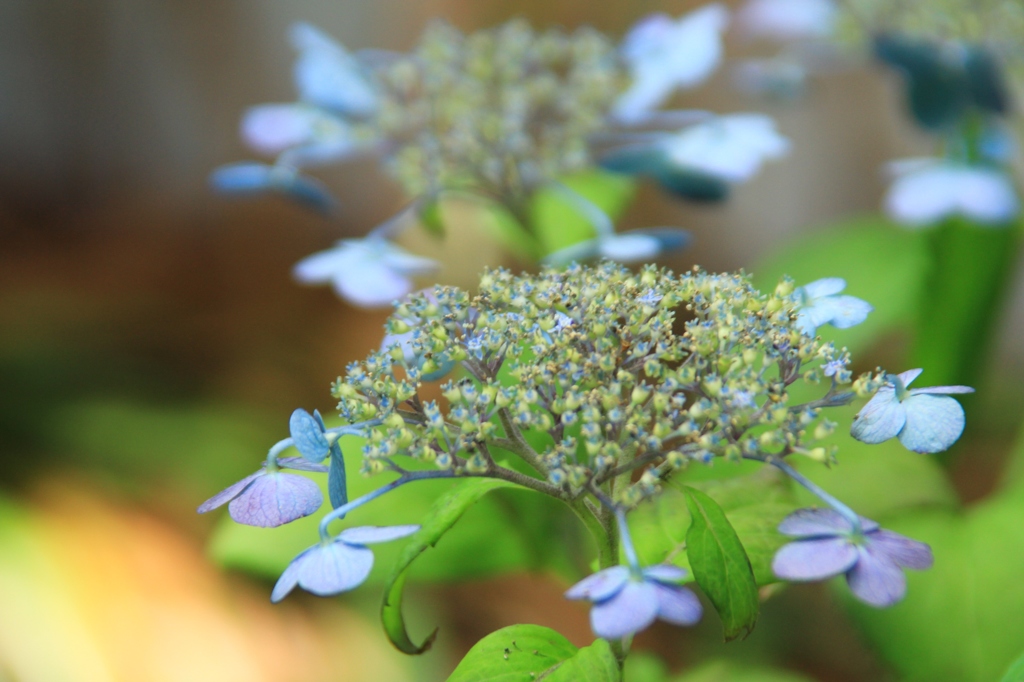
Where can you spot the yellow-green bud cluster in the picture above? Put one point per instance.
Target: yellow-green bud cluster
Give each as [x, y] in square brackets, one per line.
[596, 372]
[500, 110]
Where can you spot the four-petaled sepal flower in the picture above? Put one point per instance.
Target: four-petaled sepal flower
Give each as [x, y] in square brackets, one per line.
[370, 272]
[871, 557]
[625, 602]
[820, 303]
[926, 420]
[337, 565]
[269, 497]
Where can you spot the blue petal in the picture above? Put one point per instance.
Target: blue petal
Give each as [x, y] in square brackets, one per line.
[908, 377]
[275, 499]
[814, 559]
[881, 419]
[601, 585]
[631, 610]
[669, 238]
[692, 185]
[337, 567]
[875, 579]
[327, 75]
[310, 192]
[337, 486]
[290, 578]
[677, 605]
[901, 550]
[229, 493]
[942, 390]
[242, 178]
[933, 423]
[368, 535]
[308, 435]
[668, 574]
[645, 159]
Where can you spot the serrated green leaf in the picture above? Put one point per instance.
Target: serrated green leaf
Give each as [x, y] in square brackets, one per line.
[448, 509]
[1016, 671]
[518, 653]
[882, 263]
[720, 565]
[559, 224]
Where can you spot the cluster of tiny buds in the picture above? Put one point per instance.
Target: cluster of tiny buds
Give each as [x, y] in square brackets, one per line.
[598, 375]
[499, 110]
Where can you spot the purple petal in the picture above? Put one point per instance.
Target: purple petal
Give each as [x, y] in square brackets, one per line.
[308, 436]
[875, 579]
[678, 605]
[289, 579]
[368, 535]
[815, 522]
[229, 493]
[275, 499]
[601, 585]
[301, 464]
[334, 568]
[814, 559]
[631, 610]
[881, 419]
[933, 423]
[665, 573]
[901, 550]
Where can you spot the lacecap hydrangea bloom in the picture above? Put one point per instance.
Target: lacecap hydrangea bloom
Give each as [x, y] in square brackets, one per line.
[595, 386]
[499, 116]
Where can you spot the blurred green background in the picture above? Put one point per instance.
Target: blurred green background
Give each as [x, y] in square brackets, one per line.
[152, 345]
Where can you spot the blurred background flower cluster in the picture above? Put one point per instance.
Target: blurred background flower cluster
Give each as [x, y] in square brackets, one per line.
[153, 342]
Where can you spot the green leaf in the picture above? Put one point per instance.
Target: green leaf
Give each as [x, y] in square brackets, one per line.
[518, 653]
[1016, 671]
[962, 295]
[492, 540]
[961, 619]
[448, 509]
[432, 218]
[720, 565]
[725, 671]
[883, 264]
[559, 224]
[594, 663]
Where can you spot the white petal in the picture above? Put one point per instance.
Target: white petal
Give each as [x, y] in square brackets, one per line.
[327, 75]
[942, 390]
[323, 266]
[731, 147]
[371, 284]
[933, 423]
[272, 128]
[986, 195]
[923, 197]
[629, 248]
[405, 263]
[786, 20]
[908, 377]
[881, 419]
[368, 535]
[848, 311]
[829, 286]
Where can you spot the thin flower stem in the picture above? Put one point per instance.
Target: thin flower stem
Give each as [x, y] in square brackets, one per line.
[275, 451]
[341, 511]
[847, 513]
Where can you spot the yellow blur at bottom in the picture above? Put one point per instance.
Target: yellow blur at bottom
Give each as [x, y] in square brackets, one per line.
[92, 592]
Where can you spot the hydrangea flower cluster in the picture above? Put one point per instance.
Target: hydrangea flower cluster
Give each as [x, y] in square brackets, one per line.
[594, 385]
[498, 116]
